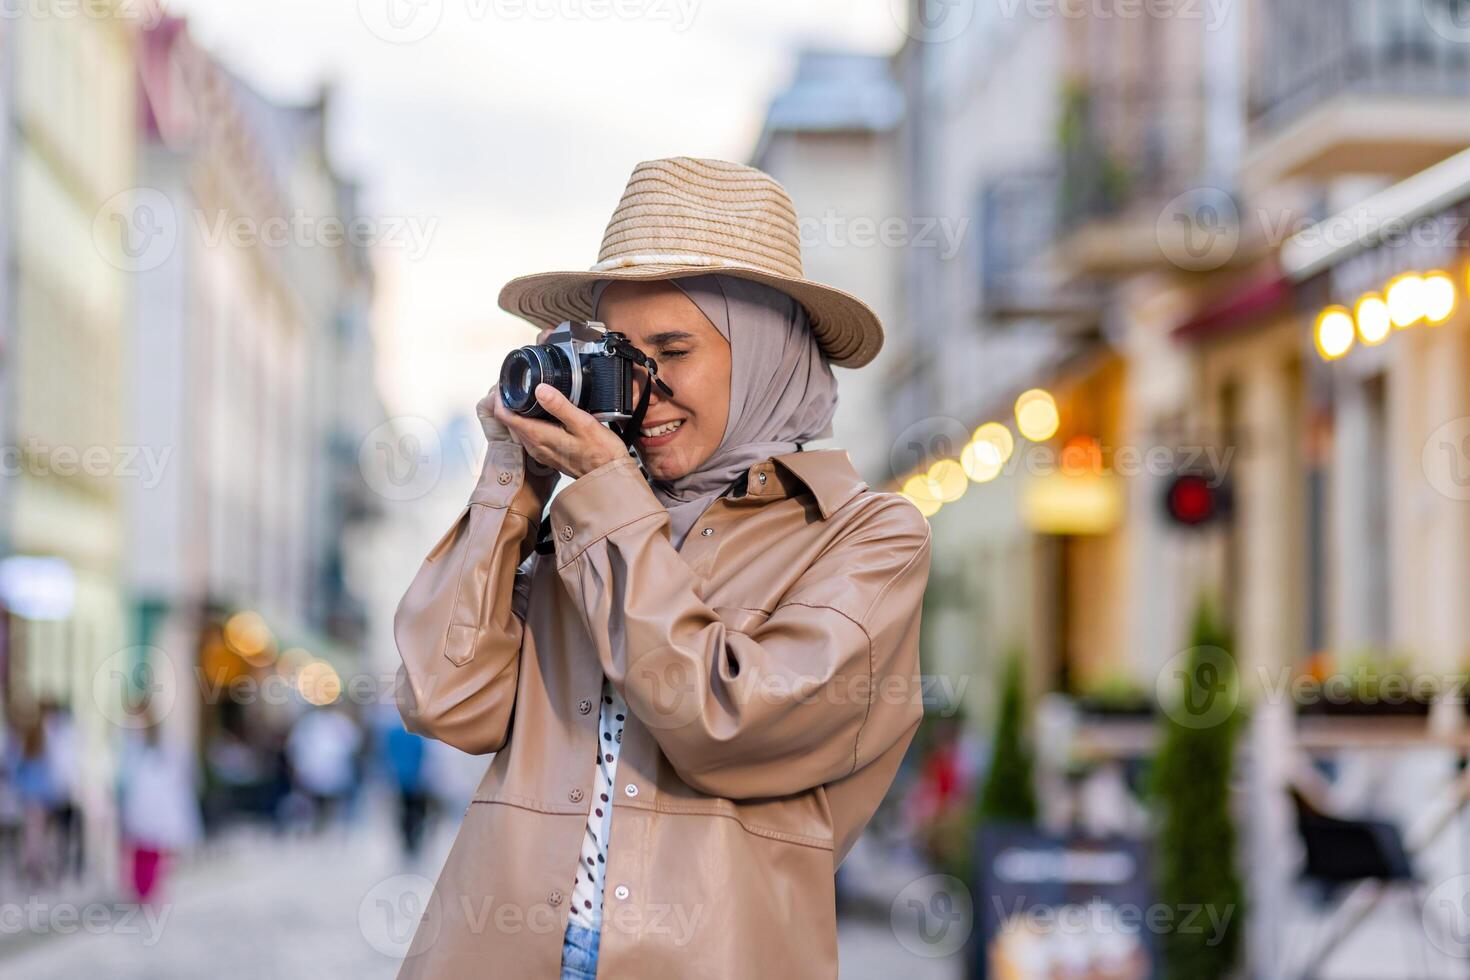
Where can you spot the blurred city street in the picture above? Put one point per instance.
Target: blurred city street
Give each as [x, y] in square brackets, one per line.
[263, 906]
[1175, 364]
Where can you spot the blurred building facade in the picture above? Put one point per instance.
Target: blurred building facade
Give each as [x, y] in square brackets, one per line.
[190, 373]
[69, 122]
[1166, 206]
[830, 137]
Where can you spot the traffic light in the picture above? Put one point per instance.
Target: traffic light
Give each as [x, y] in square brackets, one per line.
[1192, 500]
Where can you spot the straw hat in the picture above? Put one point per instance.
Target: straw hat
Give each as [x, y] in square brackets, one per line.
[684, 217]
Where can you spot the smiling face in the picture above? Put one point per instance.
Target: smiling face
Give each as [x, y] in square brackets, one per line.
[693, 360]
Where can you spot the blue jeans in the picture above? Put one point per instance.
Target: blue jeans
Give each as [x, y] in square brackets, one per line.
[579, 953]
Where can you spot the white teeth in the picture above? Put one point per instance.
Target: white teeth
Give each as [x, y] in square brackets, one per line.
[659, 430]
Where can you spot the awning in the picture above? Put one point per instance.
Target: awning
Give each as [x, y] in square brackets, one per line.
[1261, 296]
[1428, 192]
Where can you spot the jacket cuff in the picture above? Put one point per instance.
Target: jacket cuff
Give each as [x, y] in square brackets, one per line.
[503, 482]
[598, 503]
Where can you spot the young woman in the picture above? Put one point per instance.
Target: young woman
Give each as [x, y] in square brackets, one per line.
[698, 688]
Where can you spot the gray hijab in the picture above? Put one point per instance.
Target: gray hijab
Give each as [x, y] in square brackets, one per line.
[782, 390]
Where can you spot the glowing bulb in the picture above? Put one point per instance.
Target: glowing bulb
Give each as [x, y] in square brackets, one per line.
[947, 480]
[918, 489]
[981, 460]
[1374, 322]
[1334, 333]
[1036, 415]
[319, 683]
[1439, 297]
[998, 436]
[1405, 296]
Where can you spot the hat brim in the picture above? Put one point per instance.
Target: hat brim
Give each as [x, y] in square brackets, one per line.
[848, 330]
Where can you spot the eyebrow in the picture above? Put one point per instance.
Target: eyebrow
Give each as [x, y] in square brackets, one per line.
[669, 337]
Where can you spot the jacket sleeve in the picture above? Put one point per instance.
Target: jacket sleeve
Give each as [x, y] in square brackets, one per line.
[815, 692]
[459, 626]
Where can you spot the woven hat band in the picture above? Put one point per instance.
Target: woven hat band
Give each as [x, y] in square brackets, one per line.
[712, 209]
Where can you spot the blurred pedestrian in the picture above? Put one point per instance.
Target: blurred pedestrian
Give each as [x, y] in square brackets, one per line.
[35, 790]
[405, 757]
[160, 809]
[64, 763]
[322, 750]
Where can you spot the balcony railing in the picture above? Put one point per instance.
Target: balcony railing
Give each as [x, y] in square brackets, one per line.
[1315, 50]
[1124, 146]
[1019, 222]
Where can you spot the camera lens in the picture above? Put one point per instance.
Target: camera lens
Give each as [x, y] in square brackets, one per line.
[525, 368]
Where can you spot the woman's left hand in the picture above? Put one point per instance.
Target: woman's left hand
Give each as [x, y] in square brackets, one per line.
[577, 446]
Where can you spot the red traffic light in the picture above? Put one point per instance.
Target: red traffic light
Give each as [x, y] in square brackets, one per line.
[1192, 502]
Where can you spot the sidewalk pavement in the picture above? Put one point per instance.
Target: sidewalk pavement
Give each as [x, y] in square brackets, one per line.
[308, 907]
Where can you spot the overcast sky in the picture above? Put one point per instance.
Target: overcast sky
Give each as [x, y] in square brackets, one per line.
[504, 130]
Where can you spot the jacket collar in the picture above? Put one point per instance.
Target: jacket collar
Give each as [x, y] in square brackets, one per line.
[827, 474]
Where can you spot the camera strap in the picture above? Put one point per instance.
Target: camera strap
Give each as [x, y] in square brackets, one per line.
[627, 431]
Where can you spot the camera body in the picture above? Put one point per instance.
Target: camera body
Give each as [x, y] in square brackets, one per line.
[579, 359]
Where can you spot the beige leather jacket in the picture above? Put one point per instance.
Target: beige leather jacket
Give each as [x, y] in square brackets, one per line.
[771, 667]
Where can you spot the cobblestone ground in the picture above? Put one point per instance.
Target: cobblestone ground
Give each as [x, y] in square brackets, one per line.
[304, 907]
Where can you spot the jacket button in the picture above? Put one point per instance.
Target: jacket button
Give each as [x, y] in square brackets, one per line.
[630, 789]
[575, 796]
[504, 478]
[761, 477]
[554, 898]
[621, 891]
[707, 531]
[585, 705]
[566, 532]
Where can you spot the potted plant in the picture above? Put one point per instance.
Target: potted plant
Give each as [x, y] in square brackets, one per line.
[1195, 847]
